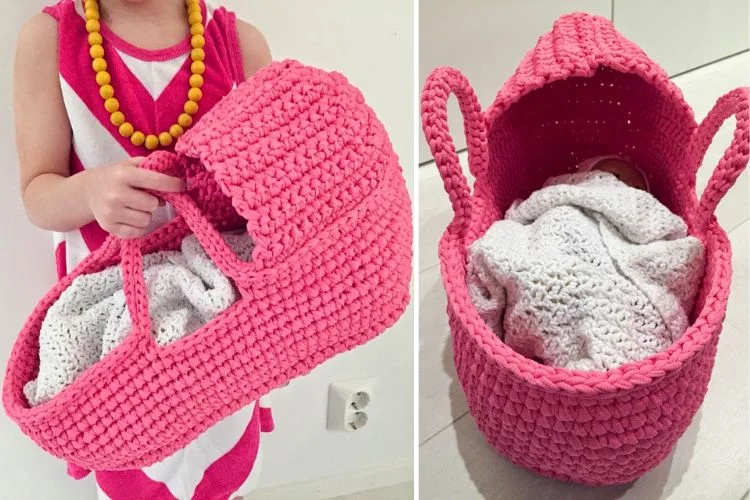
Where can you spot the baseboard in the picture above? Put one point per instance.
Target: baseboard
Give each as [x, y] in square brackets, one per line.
[340, 484]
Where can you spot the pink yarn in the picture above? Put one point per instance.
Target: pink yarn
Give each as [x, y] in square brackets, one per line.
[296, 156]
[583, 91]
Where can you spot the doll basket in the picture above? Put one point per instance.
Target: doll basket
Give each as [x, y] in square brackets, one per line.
[583, 91]
[295, 156]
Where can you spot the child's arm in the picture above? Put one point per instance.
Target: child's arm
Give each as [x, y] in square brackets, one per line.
[53, 198]
[255, 51]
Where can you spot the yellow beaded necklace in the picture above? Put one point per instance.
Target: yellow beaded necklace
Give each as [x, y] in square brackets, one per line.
[112, 105]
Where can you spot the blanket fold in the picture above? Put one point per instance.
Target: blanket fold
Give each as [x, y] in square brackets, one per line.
[90, 319]
[587, 274]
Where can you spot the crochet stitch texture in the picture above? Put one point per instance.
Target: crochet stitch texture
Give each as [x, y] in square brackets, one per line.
[185, 291]
[584, 90]
[297, 158]
[587, 273]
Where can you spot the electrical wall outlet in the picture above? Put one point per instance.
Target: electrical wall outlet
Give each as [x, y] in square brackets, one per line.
[348, 402]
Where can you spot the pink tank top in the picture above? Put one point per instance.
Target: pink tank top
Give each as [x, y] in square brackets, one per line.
[151, 86]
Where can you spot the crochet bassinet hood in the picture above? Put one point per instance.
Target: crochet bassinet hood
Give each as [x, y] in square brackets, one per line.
[293, 149]
[585, 90]
[296, 157]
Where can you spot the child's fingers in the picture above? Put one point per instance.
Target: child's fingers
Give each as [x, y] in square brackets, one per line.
[146, 179]
[141, 200]
[127, 232]
[135, 160]
[134, 218]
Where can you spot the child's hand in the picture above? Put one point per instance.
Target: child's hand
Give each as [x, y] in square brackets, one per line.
[116, 197]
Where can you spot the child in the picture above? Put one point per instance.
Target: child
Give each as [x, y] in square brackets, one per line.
[98, 85]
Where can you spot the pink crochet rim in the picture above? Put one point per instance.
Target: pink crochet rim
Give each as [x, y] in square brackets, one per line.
[593, 384]
[444, 81]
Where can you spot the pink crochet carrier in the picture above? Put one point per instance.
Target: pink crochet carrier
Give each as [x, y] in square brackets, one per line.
[584, 90]
[296, 156]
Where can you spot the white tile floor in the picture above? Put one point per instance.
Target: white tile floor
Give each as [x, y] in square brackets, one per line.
[403, 491]
[711, 461]
[312, 491]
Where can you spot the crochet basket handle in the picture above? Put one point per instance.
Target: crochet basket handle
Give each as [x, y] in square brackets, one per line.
[440, 84]
[134, 285]
[735, 158]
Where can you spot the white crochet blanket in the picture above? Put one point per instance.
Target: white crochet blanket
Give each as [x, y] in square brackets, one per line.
[90, 319]
[586, 274]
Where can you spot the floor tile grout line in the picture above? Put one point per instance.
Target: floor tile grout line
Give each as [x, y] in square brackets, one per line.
[432, 266]
[737, 226]
[444, 428]
[709, 63]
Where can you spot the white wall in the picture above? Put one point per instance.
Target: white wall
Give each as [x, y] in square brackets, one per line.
[486, 39]
[371, 43]
[681, 35]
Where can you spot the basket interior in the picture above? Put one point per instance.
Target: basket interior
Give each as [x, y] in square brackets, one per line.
[207, 195]
[550, 130]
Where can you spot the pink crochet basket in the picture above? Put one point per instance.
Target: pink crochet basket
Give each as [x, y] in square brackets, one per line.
[296, 156]
[584, 90]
